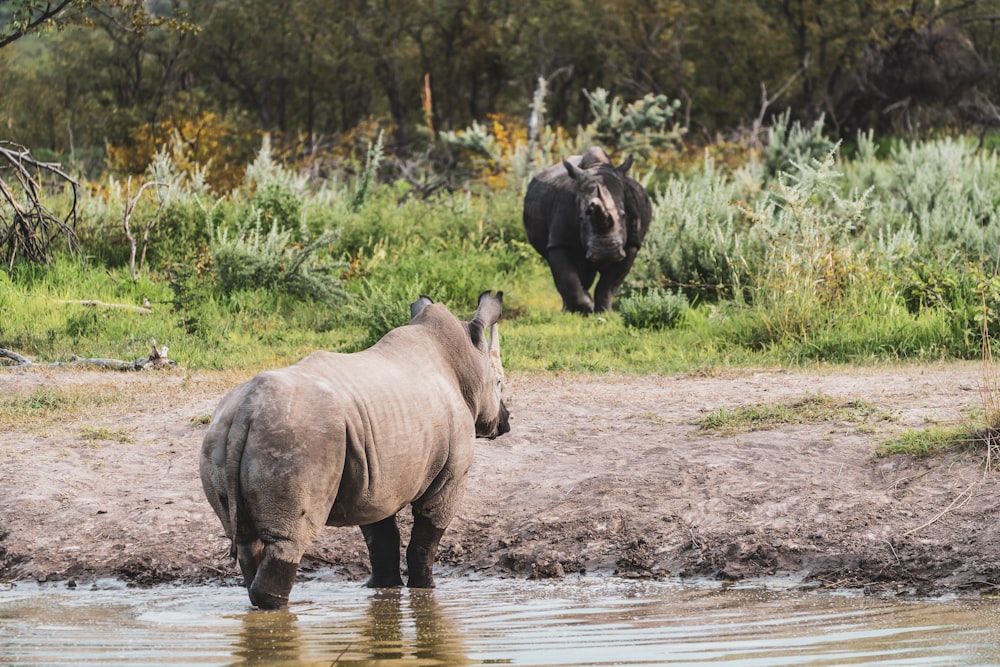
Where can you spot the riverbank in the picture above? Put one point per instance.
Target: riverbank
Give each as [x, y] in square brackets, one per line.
[607, 475]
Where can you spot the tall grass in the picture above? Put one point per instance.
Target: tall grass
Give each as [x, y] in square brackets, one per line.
[796, 257]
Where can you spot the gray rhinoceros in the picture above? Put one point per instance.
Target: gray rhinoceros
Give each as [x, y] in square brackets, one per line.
[351, 439]
[585, 216]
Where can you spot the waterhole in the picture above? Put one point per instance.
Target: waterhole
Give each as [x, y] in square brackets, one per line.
[585, 621]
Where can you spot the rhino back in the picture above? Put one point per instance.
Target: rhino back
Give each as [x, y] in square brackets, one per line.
[359, 435]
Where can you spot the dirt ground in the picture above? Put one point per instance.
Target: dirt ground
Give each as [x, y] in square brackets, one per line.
[607, 475]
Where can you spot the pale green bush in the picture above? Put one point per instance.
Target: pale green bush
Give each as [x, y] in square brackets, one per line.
[251, 258]
[698, 236]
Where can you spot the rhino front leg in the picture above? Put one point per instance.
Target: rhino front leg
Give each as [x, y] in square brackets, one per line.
[424, 540]
[568, 282]
[612, 277]
[382, 539]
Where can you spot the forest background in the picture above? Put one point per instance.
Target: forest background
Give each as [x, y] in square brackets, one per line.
[246, 181]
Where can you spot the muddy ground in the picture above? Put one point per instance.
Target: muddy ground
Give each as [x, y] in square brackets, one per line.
[607, 475]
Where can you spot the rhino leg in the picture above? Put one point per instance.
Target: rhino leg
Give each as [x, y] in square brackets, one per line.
[424, 540]
[612, 277]
[382, 539]
[276, 575]
[567, 278]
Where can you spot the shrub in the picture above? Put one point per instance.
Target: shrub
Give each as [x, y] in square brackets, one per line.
[251, 259]
[653, 309]
[790, 145]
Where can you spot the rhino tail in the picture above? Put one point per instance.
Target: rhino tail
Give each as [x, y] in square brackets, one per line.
[236, 440]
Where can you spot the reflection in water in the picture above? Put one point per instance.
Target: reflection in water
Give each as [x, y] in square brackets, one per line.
[269, 637]
[420, 631]
[398, 625]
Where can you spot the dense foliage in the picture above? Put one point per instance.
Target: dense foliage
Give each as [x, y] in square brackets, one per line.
[109, 81]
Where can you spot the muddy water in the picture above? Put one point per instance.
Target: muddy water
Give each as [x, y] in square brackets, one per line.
[490, 622]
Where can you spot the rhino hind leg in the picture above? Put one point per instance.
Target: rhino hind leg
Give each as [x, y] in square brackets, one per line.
[249, 555]
[276, 575]
[424, 540]
[383, 543]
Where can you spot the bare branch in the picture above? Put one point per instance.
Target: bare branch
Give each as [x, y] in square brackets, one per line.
[766, 101]
[31, 228]
[130, 204]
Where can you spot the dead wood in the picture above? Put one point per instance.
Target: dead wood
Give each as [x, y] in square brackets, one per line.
[130, 204]
[157, 359]
[103, 304]
[27, 227]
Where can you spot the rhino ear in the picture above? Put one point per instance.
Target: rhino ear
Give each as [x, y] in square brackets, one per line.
[574, 172]
[623, 167]
[418, 306]
[487, 313]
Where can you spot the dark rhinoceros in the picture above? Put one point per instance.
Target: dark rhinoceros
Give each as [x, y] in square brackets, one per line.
[351, 439]
[586, 217]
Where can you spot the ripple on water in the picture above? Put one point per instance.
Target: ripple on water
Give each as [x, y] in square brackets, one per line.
[585, 621]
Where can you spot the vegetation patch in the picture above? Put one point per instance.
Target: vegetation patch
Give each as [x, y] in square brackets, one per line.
[808, 410]
[44, 404]
[94, 434]
[971, 436]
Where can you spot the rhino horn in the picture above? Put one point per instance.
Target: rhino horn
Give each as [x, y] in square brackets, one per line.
[623, 167]
[487, 314]
[418, 306]
[607, 201]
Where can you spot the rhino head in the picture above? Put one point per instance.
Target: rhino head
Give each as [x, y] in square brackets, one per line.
[600, 201]
[484, 390]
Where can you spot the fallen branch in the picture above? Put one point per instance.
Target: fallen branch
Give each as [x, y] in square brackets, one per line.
[954, 505]
[102, 304]
[18, 359]
[156, 359]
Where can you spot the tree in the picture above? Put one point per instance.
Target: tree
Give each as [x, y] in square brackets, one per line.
[28, 229]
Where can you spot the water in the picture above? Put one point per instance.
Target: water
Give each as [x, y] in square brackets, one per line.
[587, 621]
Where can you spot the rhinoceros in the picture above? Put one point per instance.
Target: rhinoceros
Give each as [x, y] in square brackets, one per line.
[585, 217]
[351, 439]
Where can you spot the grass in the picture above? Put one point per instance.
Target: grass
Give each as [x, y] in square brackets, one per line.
[814, 409]
[43, 405]
[928, 442]
[93, 434]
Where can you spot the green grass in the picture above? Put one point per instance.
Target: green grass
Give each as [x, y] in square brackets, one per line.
[970, 436]
[43, 405]
[95, 434]
[928, 442]
[808, 410]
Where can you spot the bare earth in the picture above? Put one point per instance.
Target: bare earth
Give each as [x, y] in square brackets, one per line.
[607, 475]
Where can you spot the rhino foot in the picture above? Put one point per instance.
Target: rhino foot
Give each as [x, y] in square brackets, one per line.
[384, 582]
